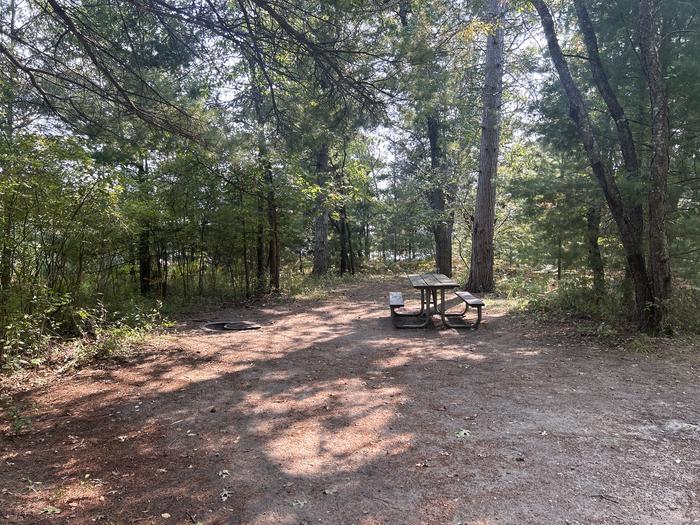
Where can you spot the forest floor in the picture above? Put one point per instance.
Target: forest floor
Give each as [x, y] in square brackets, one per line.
[330, 415]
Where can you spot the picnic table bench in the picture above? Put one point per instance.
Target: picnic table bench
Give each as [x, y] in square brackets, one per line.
[429, 285]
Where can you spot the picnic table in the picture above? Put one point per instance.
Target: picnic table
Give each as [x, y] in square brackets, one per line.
[429, 285]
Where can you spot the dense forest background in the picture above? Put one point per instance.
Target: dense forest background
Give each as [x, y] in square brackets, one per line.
[159, 153]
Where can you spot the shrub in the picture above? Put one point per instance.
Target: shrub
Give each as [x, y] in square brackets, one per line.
[575, 297]
[683, 317]
[29, 325]
[98, 332]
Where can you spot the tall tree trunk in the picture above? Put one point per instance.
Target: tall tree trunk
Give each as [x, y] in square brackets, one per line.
[144, 232]
[274, 243]
[273, 256]
[164, 283]
[246, 266]
[443, 219]
[595, 259]
[343, 239]
[659, 260]
[7, 254]
[320, 265]
[404, 11]
[619, 209]
[144, 260]
[559, 254]
[481, 268]
[351, 253]
[8, 199]
[368, 254]
[261, 282]
[201, 272]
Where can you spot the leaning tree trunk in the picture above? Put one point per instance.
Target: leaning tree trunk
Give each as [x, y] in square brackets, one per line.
[320, 266]
[659, 260]
[481, 269]
[620, 210]
[443, 220]
[617, 113]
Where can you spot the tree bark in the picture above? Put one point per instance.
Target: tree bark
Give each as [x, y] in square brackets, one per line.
[343, 240]
[320, 265]
[618, 208]
[261, 280]
[144, 260]
[202, 256]
[273, 253]
[274, 243]
[443, 219]
[351, 253]
[559, 254]
[595, 259]
[481, 268]
[659, 260]
[404, 11]
[244, 240]
[144, 235]
[616, 111]
[7, 254]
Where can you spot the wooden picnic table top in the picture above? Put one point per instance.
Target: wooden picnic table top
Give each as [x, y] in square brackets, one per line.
[431, 280]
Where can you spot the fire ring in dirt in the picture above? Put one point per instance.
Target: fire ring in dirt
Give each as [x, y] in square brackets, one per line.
[226, 326]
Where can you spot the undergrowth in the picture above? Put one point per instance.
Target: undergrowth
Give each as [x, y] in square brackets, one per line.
[54, 328]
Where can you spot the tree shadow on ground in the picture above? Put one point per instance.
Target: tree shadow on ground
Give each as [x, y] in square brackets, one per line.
[329, 415]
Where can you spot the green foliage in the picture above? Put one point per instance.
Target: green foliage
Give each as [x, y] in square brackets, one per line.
[113, 334]
[314, 288]
[29, 330]
[642, 344]
[18, 420]
[683, 315]
[574, 297]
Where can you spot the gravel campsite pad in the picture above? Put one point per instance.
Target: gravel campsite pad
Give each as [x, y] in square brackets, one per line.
[330, 415]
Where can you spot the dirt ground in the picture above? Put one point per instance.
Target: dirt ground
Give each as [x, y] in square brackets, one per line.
[329, 415]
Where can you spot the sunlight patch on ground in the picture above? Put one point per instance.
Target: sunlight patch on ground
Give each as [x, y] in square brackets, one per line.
[314, 447]
[526, 353]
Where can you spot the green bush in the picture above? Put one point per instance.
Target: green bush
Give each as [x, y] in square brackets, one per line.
[29, 324]
[523, 285]
[683, 317]
[100, 331]
[575, 297]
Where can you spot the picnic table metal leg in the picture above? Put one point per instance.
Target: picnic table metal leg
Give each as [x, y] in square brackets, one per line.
[424, 312]
[463, 324]
[422, 324]
[461, 314]
[420, 312]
